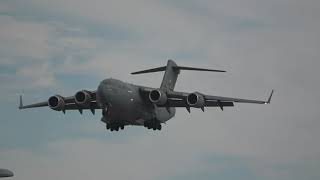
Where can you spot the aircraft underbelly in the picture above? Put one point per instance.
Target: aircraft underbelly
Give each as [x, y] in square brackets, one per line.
[134, 110]
[164, 114]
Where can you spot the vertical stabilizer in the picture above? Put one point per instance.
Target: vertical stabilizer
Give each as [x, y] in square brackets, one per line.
[170, 76]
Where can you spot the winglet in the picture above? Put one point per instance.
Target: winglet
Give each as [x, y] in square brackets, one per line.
[269, 99]
[21, 103]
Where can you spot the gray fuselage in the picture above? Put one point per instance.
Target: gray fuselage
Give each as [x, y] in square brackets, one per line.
[123, 102]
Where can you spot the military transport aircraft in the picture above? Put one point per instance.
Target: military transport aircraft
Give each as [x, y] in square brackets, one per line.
[125, 104]
[5, 173]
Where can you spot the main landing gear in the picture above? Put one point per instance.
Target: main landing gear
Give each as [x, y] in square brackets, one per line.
[153, 124]
[115, 126]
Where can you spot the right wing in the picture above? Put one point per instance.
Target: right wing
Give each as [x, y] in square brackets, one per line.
[81, 101]
[180, 99]
[174, 94]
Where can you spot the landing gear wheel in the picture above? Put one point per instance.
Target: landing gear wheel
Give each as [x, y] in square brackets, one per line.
[152, 124]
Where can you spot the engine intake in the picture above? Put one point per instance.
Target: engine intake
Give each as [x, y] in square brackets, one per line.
[196, 100]
[158, 97]
[83, 98]
[56, 103]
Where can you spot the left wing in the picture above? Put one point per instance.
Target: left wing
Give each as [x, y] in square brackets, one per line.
[80, 101]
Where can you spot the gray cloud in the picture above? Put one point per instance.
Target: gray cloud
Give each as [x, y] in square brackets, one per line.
[26, 39]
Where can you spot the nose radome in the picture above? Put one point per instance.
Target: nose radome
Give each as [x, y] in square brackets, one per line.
[100, 90]
[103, 92]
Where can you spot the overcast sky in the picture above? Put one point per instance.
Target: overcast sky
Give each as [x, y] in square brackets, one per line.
[62, 46]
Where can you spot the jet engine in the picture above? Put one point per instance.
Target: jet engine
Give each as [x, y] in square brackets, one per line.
[83, 98]
[56, 103]
[196, 100]
[158, 97]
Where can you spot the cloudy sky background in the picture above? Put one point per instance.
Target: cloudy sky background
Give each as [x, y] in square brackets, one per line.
[62, 46]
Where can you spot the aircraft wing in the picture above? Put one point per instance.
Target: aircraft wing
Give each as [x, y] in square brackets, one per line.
[5, 173]
[179, 99]
[184, 95]
[59, 103]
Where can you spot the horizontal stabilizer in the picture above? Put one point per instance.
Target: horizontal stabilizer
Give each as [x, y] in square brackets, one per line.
[196, 69]
[163, 68]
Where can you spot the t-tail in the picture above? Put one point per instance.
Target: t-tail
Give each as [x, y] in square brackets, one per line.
[172, 71]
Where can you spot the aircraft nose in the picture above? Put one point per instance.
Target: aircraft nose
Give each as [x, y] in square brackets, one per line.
[103, 93]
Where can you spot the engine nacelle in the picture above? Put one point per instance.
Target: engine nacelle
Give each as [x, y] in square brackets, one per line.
[56, 103]
[158, 97]
[196, 100]
[83, 98]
